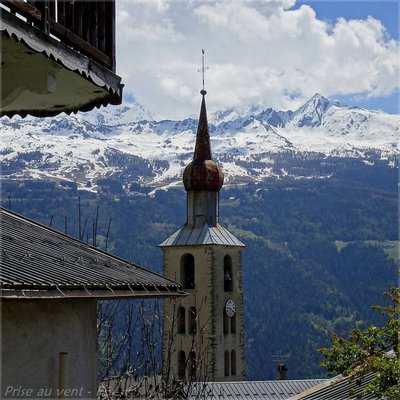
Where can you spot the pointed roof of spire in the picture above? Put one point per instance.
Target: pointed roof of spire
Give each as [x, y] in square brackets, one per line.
[203, 173]
[202, 150]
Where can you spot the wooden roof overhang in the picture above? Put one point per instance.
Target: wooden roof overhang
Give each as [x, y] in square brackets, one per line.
[86, 293]
[42, 76]
[37, 262]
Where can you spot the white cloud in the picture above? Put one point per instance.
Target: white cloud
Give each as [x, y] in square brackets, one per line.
[263, 52]
[154, 5]
[163, 31]
[250, 23]
[145, 20]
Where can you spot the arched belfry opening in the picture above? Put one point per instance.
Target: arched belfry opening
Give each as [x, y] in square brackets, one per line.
[228, 277]
[187, 271]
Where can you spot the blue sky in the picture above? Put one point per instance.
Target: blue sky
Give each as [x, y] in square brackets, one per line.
[388, 12]
[274, 53]
[385, 11]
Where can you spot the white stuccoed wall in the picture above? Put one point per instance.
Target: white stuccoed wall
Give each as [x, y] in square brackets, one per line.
[34, 332]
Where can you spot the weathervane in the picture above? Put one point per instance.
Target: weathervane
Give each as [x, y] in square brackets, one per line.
[203, 69]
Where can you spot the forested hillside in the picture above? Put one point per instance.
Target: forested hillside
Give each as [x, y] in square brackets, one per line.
[319, 252]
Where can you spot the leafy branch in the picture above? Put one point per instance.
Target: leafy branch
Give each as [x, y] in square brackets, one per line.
[374, 349]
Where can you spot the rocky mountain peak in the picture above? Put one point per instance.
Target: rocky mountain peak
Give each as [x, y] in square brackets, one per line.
[126, 141]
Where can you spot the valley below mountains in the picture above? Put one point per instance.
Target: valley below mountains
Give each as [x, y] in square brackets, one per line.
[312, 193]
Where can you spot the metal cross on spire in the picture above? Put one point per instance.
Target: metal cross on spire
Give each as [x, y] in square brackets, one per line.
[203, 69]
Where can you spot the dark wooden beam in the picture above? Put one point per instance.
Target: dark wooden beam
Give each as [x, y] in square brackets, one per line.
[79, 44]
[25, 9]
[61, 12]
[66, 35]
[110, 31]
[101, 17]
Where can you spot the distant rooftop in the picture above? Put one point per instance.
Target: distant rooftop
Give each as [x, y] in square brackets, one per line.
[242, 390]
[252, 390]
[40, 262]
[339, 388]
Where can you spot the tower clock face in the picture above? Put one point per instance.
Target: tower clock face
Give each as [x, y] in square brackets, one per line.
[230, 308]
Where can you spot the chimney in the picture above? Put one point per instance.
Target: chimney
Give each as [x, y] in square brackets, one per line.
[282, 371]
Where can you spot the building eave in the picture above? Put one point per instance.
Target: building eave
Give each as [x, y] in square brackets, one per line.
[39, 262]
[202, 235]
[65, 80]
[110, 294]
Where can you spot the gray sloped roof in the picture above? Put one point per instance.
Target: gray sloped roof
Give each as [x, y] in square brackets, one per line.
[202, 235]
[37, 261]
[252, 390]
[339, 388]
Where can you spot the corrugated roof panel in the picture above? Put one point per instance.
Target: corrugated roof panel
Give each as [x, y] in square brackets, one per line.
[37, 257]
[340, 387]
[217, 238]
[203, 235]
[255, 390]
[226, 235]
[197, 235]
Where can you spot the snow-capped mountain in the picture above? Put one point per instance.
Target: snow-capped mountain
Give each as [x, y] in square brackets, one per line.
[125, 141]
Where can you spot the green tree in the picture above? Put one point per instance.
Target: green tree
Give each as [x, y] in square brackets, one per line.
[374, 349]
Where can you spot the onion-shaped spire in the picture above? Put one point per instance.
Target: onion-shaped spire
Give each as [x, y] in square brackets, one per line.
[203, 173]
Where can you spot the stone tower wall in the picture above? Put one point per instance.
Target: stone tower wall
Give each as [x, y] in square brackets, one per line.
[208, 297]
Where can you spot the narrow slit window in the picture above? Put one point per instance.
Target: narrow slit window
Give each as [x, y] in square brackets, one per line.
[228, 277]
[187, 271]
[227, 369]
[233, 323]
[233, 362]
[181, 364]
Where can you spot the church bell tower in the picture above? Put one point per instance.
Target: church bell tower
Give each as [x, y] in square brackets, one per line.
[203, 336]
